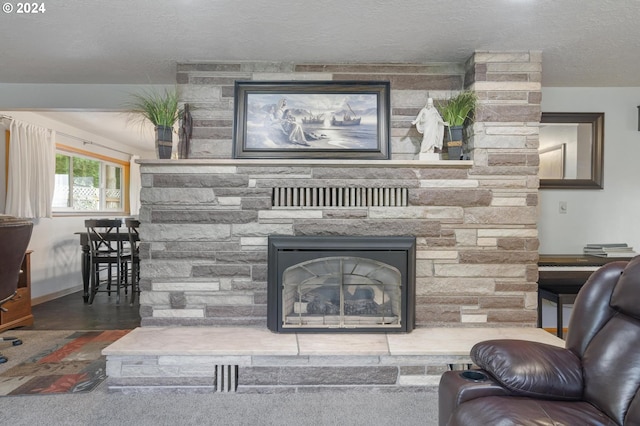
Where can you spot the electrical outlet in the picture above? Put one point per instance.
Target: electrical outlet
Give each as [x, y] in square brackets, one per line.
[562, 207]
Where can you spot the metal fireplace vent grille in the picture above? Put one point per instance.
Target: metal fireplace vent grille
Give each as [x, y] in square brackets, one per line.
[339, 197]
[226, 378]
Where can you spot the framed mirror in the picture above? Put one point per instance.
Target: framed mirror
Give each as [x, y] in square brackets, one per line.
[571, 150]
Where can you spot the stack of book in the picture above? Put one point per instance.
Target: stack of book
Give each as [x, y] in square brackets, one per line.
[609, 250]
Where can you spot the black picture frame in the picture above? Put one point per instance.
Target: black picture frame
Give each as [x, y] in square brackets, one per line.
[317, 119]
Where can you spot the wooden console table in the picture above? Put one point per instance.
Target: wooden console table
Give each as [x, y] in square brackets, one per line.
[560, 277]
[19, 309]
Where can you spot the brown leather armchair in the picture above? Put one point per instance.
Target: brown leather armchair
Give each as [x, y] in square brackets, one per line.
[594, 380]
[15, 235]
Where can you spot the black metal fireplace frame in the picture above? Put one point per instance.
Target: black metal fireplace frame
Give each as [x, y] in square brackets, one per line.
[336, 245]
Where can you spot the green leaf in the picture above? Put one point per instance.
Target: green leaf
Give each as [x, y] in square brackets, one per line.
[161, 109]
[457, 109]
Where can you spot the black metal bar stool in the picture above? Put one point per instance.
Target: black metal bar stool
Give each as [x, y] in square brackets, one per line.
[134, 242]
[105, 256]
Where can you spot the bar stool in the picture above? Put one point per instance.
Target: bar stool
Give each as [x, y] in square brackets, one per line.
[134, 242]
[105, 256]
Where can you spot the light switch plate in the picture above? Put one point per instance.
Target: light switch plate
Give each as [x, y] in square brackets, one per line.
[562, 207]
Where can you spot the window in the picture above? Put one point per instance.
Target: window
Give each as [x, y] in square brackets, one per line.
[85, 183]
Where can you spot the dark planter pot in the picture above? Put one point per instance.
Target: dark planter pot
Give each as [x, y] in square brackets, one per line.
[164, 141]
[454, 150]
[454, 133]
[453, 139]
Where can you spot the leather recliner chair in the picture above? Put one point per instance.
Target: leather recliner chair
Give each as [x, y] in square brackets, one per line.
[15, 235]
[594, 380]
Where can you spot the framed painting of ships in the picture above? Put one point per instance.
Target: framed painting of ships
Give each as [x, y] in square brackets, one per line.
[312, 119]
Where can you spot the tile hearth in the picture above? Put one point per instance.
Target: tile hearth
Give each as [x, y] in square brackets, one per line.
[210, 359]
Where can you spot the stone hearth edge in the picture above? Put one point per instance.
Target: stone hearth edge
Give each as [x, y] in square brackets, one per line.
[191, 359]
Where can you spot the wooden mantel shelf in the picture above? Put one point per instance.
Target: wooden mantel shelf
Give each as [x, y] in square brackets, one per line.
[288, 162]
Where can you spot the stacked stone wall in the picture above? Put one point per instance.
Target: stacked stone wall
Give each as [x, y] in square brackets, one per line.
[205, 221]
[209, 90]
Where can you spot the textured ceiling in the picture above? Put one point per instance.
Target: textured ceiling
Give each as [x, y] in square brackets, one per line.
[584, 42]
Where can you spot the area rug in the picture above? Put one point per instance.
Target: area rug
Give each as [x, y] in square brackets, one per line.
[73, 365]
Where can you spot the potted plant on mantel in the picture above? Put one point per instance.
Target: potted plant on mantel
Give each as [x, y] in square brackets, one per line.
[455, 111]
[162, 110]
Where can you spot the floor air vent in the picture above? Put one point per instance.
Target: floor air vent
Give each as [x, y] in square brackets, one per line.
[226, 378]
[339, 197]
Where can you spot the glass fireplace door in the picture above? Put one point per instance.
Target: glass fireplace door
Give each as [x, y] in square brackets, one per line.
[341, 292]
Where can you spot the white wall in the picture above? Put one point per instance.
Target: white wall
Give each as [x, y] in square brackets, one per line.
[55, 262]
[597, 216]
[606, 215]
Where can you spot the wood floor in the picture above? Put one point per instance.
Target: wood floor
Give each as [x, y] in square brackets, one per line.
[71, 313]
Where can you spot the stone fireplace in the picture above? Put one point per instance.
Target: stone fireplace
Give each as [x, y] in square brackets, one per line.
[346, 284]
[206, 220]
[206, 223]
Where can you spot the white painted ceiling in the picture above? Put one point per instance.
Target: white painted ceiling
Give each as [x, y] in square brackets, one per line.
[586, 43]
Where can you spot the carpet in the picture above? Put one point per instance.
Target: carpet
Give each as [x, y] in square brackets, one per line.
[74, 364]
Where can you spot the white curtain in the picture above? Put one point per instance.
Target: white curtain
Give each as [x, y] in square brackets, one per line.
[32, 166]
[134, 186]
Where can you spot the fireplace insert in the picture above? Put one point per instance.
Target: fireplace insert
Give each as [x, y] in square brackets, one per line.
[341, 284]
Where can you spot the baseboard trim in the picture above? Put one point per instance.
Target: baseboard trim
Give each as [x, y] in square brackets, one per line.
[555, 330]
[56, 295]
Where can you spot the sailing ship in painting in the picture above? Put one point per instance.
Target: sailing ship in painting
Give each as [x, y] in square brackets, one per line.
[313, 119]
[348, 119]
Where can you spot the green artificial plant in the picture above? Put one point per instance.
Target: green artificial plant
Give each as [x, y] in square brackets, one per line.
[160, 108]
[457, 109]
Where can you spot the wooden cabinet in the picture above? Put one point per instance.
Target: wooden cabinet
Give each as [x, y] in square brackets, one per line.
[19, 309]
